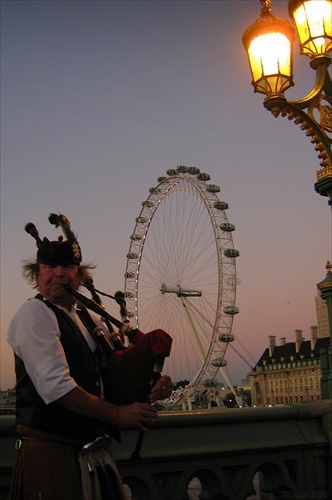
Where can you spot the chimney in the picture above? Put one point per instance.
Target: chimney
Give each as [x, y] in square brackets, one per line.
[272, 344]
[282, 340]
[299, 339]
[313, 338]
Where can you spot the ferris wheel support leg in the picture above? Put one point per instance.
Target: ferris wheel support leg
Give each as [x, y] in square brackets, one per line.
[231, 387]
[196, 336]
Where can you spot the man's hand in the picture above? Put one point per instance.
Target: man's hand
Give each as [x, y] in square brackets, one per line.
[140, 415]
[162, 389]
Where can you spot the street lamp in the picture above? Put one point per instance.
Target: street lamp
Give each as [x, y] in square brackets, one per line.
[269, 42]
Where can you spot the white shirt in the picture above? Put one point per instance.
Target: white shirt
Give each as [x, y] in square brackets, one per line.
[34, 336]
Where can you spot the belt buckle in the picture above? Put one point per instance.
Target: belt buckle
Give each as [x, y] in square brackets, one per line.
[18, 444]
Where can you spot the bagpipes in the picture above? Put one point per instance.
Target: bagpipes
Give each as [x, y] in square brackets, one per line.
[128, 370]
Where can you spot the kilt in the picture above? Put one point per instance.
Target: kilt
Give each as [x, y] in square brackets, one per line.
[48, 467]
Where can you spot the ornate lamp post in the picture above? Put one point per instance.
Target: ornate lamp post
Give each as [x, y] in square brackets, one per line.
[269, 42]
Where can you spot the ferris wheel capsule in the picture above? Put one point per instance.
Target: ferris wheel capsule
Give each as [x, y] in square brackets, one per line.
[213, 188]
[226, 337]
[141, 220]
[231, 252]
[161, 179]
[210, 382]
[171, 172]
[203, 176]
[231, 310]
[221, 205]
[227, 226]
[182, 169]
[219, 362]
[132, 255]
[193, 170]
[147, 203]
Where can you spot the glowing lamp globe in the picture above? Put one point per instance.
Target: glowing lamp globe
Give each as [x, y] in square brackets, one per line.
[268, 42]
[313, 23]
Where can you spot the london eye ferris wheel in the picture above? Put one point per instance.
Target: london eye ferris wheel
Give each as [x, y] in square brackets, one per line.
[181, 274]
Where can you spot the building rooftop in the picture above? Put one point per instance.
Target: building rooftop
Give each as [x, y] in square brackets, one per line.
[288, 352]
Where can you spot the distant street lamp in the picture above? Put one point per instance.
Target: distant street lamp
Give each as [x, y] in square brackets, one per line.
[325, 288]
[269, 42]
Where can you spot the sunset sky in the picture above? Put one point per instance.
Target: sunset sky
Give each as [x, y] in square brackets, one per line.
[100, 98]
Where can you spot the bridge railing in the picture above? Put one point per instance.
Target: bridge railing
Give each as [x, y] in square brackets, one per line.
[233, 454]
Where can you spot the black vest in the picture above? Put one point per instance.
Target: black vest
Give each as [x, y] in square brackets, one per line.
[31, 409]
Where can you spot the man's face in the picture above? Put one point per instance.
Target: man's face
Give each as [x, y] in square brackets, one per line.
[50, 280]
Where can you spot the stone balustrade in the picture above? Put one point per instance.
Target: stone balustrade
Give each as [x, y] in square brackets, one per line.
[230, 454]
